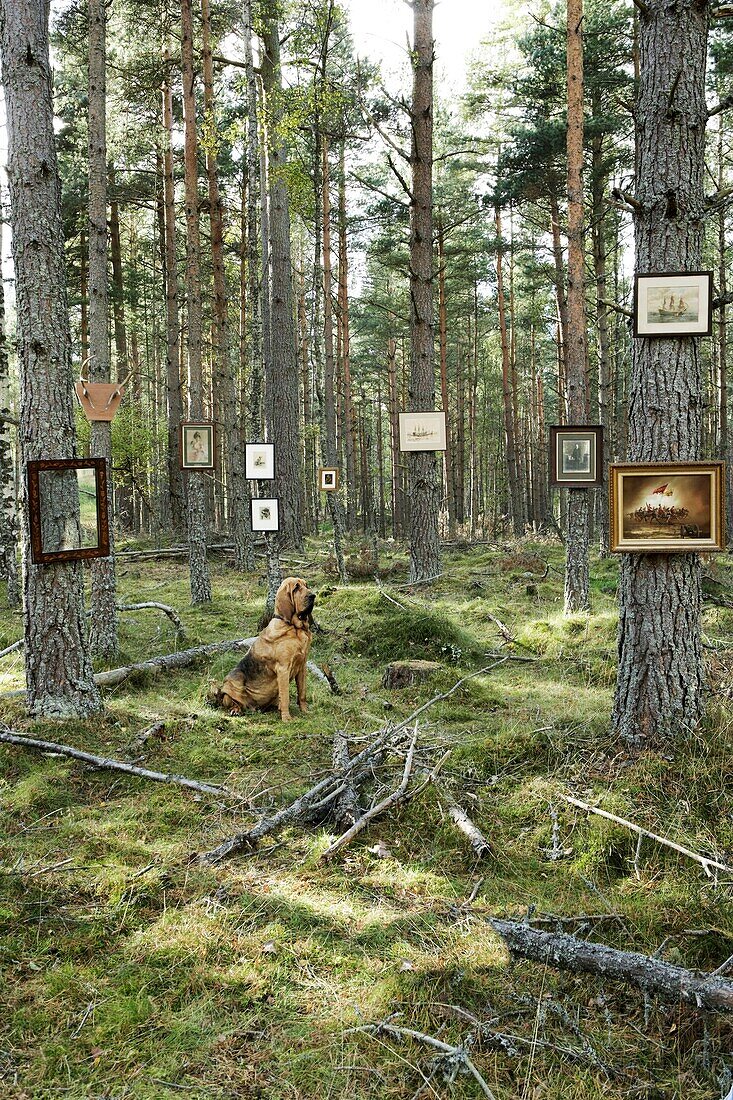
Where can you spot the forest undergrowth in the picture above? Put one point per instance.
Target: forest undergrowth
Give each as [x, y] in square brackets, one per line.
[129, 970]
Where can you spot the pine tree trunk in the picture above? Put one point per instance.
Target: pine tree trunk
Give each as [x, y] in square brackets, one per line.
[103, 625]
[443, 346]
[255, 281]
[196, 503]
[59, 674]
[423, 469]
[8, 518]
[349, 425]
[577, 576]
[598, 189]
[659, 686]
[174, 395]
[282, 398]
[508, 403]
[223, 377]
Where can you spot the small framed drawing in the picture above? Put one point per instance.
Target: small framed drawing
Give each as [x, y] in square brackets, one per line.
[259, 461]
[576, 455]
[197, 445]
[67, 509]
[266, 515]
[673, 303]
[328, 479]
[422, 431]
[667, 507]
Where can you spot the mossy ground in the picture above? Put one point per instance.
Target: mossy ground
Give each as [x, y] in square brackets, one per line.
[130, 972]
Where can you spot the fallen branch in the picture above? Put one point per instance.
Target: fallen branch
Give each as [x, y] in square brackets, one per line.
[10, 738]
[706, 862]
[327, 789]
[669, 983]
[463, 823]
[173, 615]
[455, 1054]
[392, 799]
[11, 648]
[347, 809]
[328, 673]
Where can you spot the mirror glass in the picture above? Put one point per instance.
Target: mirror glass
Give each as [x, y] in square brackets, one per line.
[68, 510]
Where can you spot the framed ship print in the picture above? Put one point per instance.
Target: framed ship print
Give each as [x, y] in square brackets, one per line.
[197, 445]
[328, 479]
[422, 431]
[259, 461]
[67, 509]
[667, 507]
[576, 456]
[266, 514]
[673, 303]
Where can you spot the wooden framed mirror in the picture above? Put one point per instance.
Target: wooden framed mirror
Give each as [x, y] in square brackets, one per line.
[67, 509]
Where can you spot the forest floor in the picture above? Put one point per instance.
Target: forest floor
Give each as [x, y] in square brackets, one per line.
[129, 971]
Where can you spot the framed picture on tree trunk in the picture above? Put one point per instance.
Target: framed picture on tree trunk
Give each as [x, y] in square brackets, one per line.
[576, 456]
[328, 479]
[266, 514]
[67, 509]
[422, 431]
[259, 461]
[667, 507]
[673, 303]
[197, 445]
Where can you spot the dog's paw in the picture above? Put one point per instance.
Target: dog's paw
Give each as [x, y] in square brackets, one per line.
[286, 717]
[303, 708]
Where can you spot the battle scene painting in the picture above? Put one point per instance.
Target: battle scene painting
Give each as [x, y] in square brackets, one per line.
[667, 507]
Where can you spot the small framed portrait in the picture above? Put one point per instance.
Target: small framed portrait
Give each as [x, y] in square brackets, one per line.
[67, 509]
[422, 431]
[576, 456]
[259, 461]
[667, 507]
[197, 445]
[266, 515]
[328, 479]
[673, 303]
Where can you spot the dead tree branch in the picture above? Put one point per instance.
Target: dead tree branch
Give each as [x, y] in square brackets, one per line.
[172, 614]
[463, 822]
[705, 861]
[9, 737]
[669, 983]
[346, 810]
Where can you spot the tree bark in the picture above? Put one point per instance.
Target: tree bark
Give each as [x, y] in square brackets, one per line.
[174, 394]
[8, 518]
[282, 398]
[224, 384]
[103, 627]
[506, 387]
[196, 503]
[577, 571]
[58, 669]
[255, 279]
[660, 677]
[424, 491]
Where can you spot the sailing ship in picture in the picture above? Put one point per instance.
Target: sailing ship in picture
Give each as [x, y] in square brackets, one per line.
[668, 304]
[673, 304]
[422, 431]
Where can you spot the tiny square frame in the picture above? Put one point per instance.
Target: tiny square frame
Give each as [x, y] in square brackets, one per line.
[259, 461]
[35, 469]
[576, 456]
[667, 507]
[328, 479]
[197, 445]
[657, 297]
[422, 431]
[265, 514]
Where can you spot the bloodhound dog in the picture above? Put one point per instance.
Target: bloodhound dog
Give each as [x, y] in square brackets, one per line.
[278, 655]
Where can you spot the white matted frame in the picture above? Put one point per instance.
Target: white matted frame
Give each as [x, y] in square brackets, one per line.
[197, 441]
[422, 431]
[673, 303]
[259, 461]
[266, 514]
[328, 479]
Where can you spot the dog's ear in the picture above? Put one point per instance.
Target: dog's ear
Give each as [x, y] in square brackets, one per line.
[284, 604]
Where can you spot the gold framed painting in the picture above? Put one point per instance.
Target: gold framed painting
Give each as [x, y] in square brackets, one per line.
[667, 507]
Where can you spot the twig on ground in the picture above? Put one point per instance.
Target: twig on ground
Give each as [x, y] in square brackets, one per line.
[463, 822]
[705, 861]
[669, 983]
[453, 1053]
[8, 737]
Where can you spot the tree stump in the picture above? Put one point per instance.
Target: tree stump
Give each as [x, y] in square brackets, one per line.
[399, 674]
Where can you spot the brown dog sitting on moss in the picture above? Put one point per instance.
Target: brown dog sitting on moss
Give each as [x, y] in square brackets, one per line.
[279, 655]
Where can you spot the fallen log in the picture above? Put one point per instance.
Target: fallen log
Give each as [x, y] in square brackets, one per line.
[463, 822]
[9, 737]
[667, 982]
[11, 648]
[346, 810]
[185, 657]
